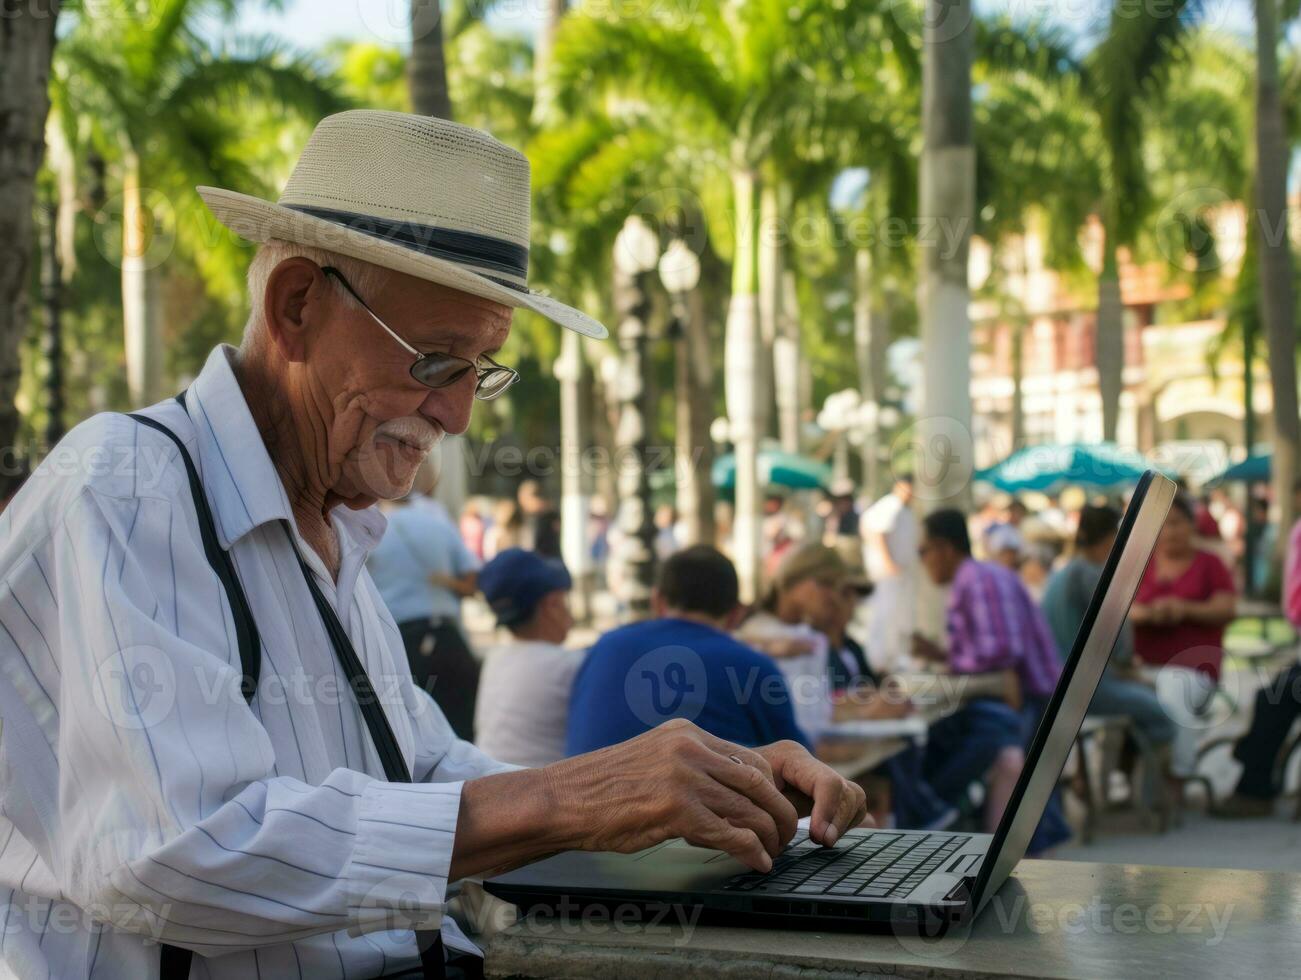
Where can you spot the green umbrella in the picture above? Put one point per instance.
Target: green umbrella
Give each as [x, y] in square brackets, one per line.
[1253, 469]
[776, 468]
[1050, 468]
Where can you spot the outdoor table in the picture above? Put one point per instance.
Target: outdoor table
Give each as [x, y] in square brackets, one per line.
[936, 696]
[1054, 919]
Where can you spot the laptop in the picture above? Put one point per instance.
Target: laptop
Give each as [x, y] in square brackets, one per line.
[927, 881]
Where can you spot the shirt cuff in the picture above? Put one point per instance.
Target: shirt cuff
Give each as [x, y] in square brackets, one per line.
[397, 878]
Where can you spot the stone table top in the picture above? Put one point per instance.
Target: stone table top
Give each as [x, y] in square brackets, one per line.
[1052, 919]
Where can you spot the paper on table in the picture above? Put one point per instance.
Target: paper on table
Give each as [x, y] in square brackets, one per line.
[910, 727]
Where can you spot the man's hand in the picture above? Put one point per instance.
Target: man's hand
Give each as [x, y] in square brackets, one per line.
[833, 804]
[925, 648]
[680, 781]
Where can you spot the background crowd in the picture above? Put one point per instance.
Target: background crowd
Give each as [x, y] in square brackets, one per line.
[859, 596]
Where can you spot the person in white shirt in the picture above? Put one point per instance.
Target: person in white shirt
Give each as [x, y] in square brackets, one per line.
[212, 746]
[891, 537]
[523, 704]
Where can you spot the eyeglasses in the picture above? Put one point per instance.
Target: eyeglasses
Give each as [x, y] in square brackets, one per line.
[438, 369]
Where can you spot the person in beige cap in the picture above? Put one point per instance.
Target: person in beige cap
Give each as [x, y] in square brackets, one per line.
[802, 609]
[212, 743]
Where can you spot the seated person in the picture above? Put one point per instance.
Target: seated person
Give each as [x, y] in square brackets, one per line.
[1185, 601]
[1065, 601]
[992, 624]
[991, 621]
[913, 803]
[1278, 706]
[681, 664]
[793, 625]
[523, 704]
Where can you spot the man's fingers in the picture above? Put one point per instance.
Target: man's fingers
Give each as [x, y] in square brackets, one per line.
[728, 749]
[710, 830]
[838, 805]
[758, 789]
[742, 811]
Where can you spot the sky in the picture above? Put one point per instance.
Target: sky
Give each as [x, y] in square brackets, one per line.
[309, 23]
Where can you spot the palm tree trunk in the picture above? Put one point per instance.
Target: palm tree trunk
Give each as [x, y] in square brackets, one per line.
[427, 66]
[543, 93]
[863, 360]
[52, 301]
[947, 204]
[778, 316]
[742, 380]
[141, 323]
[1109, 339]
[695, 448]
[1277, 299]
[573, 499]
[1018, 383]
[786, 359]
[772, 261]
[26, 44]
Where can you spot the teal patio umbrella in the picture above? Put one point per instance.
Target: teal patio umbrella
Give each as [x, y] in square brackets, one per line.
[1253, 469]
[776, 468]
[1050, 468]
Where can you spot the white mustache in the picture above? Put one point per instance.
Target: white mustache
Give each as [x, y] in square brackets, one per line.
[412, 430]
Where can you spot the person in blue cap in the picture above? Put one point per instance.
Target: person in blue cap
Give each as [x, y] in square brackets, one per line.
[523, 703]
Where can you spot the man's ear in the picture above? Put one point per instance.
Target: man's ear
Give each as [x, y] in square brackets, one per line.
[294, 302]
[734, 618]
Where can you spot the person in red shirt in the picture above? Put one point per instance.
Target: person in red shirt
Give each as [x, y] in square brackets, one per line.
[1184, 603]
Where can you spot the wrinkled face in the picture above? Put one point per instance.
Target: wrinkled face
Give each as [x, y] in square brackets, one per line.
[380, 423]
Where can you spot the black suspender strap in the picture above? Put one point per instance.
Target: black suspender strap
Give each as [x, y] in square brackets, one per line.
[175, 961]
[250, 647]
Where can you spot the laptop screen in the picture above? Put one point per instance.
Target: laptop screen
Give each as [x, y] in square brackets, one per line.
[1083, 669]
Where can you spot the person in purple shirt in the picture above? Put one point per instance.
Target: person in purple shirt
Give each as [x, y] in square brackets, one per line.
[992, 624]
[992, 621]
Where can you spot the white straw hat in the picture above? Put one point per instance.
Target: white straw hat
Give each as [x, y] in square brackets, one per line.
[416, 194]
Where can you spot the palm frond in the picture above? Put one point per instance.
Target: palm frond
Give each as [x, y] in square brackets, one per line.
[258, 69]
[1005, 47]
[656, 60]
[1129, 65]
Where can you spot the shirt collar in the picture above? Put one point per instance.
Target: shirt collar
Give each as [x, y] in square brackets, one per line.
[238, 475]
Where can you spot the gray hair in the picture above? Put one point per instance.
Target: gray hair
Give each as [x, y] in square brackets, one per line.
[365, 278]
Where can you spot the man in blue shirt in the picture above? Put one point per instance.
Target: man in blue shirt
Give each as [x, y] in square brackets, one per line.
[681, 664]
[423, 569]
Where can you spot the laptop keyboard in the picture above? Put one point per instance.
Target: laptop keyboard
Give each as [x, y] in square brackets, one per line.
[877, 865]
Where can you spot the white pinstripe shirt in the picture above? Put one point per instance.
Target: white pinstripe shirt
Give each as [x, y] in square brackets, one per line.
[140, 797]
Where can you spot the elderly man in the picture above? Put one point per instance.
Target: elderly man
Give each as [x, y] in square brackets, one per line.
[211, 739]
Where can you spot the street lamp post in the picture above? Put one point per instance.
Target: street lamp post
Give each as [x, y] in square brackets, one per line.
[679, 269]
[636, 252]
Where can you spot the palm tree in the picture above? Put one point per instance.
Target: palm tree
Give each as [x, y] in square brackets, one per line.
[947, 190]
[26, 44]
[734, 76]
[427, 66]
[1277, 296]
[1037, 173]
[169, 108]
[1122, 74]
